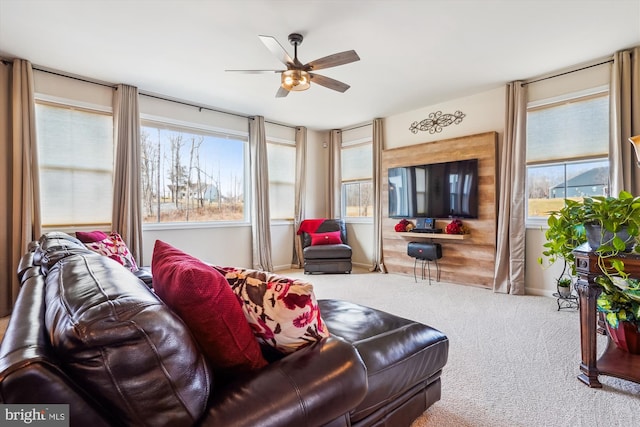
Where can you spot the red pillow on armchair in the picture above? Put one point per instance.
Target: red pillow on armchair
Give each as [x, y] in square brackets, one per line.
[328, 238]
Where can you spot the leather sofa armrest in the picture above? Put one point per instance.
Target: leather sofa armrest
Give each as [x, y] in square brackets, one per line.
[312, 386]
[29, 370]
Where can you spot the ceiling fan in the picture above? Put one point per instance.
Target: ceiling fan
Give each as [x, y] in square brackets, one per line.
[298, 76]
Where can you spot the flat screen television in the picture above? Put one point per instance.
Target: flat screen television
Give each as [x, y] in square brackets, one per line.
[436, 190]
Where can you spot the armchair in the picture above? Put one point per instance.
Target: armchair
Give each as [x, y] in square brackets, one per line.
[325, 246]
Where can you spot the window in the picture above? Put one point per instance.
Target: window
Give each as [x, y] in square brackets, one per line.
[76, 165]
[281, 158]
[191, 175]
[357, 184]
[567, 152]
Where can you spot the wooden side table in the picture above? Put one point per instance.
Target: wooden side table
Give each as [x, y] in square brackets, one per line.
[613, 362]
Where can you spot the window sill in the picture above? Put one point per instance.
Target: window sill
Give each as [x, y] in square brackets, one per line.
[358, 220]
[536, 224]
[193, 225]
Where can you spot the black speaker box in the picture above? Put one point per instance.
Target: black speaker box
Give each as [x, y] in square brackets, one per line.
[426, 251]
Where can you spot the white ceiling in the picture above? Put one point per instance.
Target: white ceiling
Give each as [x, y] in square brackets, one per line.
[414, 53]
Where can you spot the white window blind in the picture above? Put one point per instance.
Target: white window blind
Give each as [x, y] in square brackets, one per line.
[567, 149]
[281, 158]
[577, 128]
[357, 187]
[76, 165]
[356, 162]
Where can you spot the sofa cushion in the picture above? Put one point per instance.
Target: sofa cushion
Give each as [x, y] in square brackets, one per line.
[125, 347]
[399, 353]
[110, 245]
[54, 246]
[328, 238]
[340, 251]
[283, 313]
[201, 296]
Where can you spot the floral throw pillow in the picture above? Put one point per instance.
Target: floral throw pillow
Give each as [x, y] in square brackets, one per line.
[283, 313]
[110, 245]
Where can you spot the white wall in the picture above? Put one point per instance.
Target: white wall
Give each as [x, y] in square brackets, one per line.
[484, 112]
[281, 244]
[226, 246]
[539, 279]
[360, 236]
[316, 201]
[52, 86]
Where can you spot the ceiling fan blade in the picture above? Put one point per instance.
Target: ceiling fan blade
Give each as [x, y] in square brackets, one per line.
[329, 82]
[277, 49]
[255, 71]
[282, 92]
[334, 60]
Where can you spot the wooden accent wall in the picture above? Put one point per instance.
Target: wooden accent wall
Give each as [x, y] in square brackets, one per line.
[470, 261]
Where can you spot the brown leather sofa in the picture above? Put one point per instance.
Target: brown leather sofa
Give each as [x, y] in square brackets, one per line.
[87, 332]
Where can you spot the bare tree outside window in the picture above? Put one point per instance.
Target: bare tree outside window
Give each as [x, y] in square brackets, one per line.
[190, 176]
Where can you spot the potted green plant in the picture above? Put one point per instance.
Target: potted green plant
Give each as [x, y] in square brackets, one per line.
[564, 286]
[565, 233]
[611, 225]
[619, 301]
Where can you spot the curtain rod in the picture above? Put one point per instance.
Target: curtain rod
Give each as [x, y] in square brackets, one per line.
[277, 124]
[112, 86]
[357, 127]
[568, 72]
[188, 104]
[68, 76]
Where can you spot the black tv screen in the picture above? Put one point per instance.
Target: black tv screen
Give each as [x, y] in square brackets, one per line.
[436, 190]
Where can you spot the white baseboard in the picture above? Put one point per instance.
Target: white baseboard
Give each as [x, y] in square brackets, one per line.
[293, 267]
[539, 292]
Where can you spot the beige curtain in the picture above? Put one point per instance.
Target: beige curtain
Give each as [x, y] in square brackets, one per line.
[510, 244]
[19, 178]
[299, 205]
[624, 98]
[377, 146]
[260, 217]
[126, 214]
[334, 206]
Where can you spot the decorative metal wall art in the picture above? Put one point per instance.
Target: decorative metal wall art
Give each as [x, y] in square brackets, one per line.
[436, 121]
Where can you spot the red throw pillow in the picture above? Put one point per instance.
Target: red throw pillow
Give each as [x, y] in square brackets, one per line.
[91, 236]
[202, 297]
[329, 238]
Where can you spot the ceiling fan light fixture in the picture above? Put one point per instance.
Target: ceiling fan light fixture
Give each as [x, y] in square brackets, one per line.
[296, 80]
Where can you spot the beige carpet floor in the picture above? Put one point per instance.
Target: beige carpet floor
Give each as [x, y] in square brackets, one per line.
[513, 360]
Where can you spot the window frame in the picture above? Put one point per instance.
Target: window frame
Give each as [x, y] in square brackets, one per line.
[581, 95]
[170, 123]
[72, 104]
[343, 205]
[292, 144]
